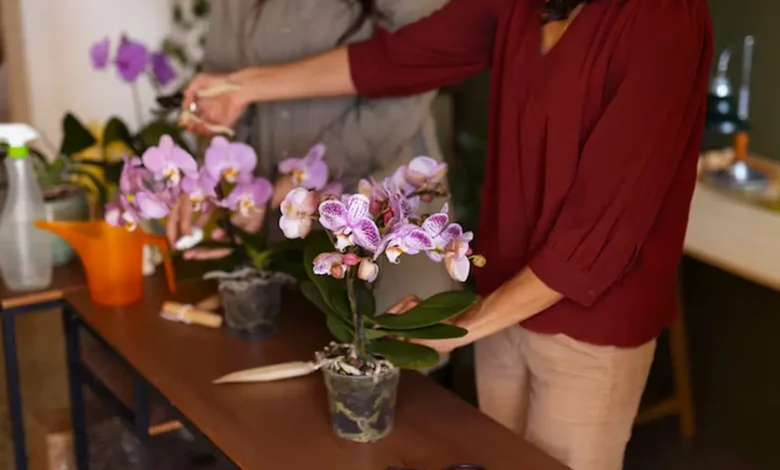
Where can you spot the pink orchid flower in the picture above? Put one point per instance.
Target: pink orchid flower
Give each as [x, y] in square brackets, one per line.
[350, 221]
[310, 172]
[297, 208]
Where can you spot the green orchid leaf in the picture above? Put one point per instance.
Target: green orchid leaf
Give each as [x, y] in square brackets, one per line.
[431, 311]
[75, 136]
[151, 133]
[332, 290]
[117, 131]
[366, 303]
[102, 198]
[441, 331]
[112, 171]
[405, 355]
[339, 330]
[311, 292]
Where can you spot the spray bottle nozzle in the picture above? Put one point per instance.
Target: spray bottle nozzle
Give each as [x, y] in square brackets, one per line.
[17, 135]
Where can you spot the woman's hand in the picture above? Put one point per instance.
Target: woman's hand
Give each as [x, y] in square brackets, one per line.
[179, 224]
[440, 345]
[219, 100]
[284, 184]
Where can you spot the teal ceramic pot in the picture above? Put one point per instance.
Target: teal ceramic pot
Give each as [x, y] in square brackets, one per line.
[65, 204]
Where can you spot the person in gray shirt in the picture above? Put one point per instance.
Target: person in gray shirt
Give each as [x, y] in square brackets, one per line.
[364, 138]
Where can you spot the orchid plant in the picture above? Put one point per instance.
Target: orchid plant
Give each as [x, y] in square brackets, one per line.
[151, 184]
[380, 220]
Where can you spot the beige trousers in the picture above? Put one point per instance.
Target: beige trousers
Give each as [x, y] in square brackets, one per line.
[574, 400]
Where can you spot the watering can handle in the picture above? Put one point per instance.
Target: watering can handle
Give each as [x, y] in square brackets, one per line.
[162, 244]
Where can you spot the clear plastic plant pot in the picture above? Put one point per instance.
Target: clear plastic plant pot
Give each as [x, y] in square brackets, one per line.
[252, 302]
[362, 408]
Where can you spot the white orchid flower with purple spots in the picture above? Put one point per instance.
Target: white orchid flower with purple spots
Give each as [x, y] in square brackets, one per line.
[329, 264]
[229, 160]
[351, 222]
[456, 253]
[310, 172]
[168, 162]
[401, 207]
[297, 208]
[407, 239]
[425, 173]
[200, 189]
[249, 196]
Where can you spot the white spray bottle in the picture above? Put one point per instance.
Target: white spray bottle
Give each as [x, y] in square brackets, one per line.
[25, 251]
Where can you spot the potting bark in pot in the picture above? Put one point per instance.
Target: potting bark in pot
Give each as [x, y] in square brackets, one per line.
[361, 370]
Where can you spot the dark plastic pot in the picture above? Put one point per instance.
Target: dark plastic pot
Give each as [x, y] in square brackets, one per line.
[362, 409]
[252, 302]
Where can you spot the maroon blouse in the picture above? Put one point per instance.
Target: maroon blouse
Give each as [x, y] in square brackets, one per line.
[592, 150]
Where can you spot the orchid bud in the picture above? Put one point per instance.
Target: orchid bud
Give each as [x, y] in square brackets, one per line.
[368, 270]
[426, 197]
[478, 261]
[351, 259]
[338, 271]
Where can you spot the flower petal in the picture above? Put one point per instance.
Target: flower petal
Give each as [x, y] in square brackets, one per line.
[457, 268]
[333, 215]
[357, 207]
[184, 161]
[288, 165]
[113, 214]
[150, 206]
[324, 262]
[244, 156]
[435, 224]
[294, 227]
[367, 234]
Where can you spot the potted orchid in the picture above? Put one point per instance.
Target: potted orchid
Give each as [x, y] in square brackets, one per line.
[362, 369]
[224, 184]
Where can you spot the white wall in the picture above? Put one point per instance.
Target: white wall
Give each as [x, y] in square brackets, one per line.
[49, 41]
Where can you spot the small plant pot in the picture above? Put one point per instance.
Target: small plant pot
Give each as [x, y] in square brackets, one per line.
[362, 408]
[251, 301]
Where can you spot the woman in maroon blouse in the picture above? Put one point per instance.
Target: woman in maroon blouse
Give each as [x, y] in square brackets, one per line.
[596, 120]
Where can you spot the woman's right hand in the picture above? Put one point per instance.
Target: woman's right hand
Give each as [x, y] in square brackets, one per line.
[220, 99]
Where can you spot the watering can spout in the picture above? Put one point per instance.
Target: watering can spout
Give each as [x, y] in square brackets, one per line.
[112, 258]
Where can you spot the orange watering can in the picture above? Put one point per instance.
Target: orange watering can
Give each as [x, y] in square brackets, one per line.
[112, 258]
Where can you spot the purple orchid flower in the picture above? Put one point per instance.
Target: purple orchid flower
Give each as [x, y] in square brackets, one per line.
[149, 205]
[351, 223]
[168, 161]
[402, 207]
[407, 239]
[297, 209]
[329, 264]
[229, 160]
[200, 188]
[162, 69]
[99, 53]
[425, 173]
[456, 252]
[310, 172]
[249, 196]
[131, 59]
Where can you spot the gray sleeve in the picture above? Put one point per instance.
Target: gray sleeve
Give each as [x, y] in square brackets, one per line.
[220, 36]
[378, 128]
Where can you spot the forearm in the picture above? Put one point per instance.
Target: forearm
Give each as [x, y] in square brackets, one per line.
[522, 297]
[323, 75]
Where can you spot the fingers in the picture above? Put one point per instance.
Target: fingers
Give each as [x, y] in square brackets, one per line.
[283, 186]
[403, 305]
[206, 253]
[191, 91]
[185, 215]
[172, 225]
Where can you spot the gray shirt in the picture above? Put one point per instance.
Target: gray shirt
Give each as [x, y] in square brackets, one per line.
[363, 137]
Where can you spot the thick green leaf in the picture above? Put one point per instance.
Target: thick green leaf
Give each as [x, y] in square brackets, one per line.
[112, 171]
[405, 355]
[117, 131]
[151, 133]
[337, 328]
[441, 331]
[311, 292]
[332, 290]
[431, 311]
[99, 186]
[75, 136]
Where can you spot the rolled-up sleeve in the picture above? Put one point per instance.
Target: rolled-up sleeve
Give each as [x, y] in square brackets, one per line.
[439, 50]
[653, 122]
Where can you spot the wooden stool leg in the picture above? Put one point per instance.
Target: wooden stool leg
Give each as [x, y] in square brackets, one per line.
[678, 342]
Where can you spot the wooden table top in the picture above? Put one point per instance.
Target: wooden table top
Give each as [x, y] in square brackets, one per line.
[65, 279]
[286, 424]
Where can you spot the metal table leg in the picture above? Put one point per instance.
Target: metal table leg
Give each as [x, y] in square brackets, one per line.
[14, 388]
[77, 408]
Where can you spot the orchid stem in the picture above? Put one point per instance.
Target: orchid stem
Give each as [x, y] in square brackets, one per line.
[360, 332]
[137, 104]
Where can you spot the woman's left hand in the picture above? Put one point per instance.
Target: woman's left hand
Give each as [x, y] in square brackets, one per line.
[440, 345]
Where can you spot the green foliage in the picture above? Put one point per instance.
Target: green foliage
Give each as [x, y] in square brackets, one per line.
[384, 334]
